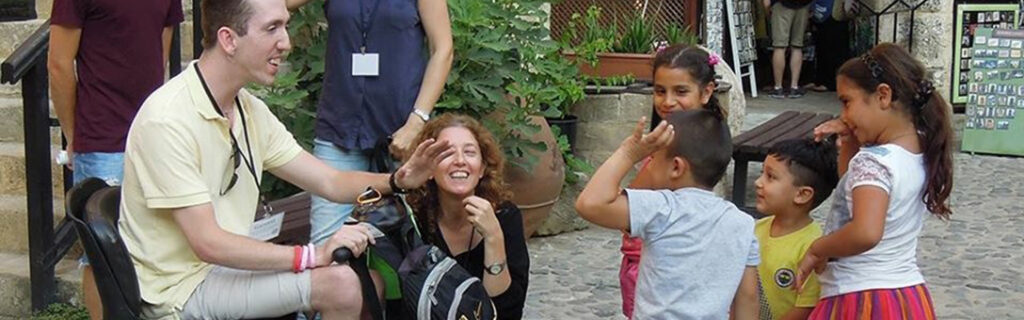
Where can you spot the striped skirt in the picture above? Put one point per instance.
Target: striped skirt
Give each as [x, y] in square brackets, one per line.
[912, 302]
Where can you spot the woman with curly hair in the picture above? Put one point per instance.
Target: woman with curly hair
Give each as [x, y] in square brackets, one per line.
[465, 210]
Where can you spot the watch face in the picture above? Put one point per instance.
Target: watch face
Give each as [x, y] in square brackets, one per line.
[495, 269]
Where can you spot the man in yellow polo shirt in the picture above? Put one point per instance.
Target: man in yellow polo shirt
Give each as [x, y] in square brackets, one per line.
[194, 156]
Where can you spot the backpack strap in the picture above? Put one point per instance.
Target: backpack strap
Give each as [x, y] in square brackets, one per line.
[370, 301]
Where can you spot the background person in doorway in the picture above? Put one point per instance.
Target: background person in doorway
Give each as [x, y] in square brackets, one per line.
[788, 23]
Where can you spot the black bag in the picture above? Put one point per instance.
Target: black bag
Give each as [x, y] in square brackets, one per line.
[388, 214]
[397, 236]
[435, 287]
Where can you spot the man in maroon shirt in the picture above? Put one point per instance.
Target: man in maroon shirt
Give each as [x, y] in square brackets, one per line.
[106, 57]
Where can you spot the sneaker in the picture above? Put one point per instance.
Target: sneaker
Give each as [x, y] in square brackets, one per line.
[777, 93]
[797, 92]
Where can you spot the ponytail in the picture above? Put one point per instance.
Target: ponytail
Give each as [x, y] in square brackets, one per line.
[936, 135]
[715, 107]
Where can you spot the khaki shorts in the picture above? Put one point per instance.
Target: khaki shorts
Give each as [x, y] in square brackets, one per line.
[242, 294]
[788, 26]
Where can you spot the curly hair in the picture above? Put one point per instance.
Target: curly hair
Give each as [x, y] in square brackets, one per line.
[424, 200]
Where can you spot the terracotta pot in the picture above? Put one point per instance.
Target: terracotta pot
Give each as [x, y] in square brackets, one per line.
[618, 64]
[536, 190]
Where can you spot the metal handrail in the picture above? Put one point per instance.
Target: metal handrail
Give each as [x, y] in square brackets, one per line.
[46, 244]
[21, 60]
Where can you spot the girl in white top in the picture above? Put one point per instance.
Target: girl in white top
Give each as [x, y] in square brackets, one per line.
[896, 166]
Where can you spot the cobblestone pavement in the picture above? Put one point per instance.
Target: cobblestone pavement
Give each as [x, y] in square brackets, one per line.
[972, 263]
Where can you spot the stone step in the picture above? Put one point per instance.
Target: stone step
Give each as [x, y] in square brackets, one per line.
[12, 170]
[11, 119]
[16, 288]
[14, 223]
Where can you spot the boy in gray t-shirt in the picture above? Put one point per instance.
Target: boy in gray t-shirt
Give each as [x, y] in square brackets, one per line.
[700, 253]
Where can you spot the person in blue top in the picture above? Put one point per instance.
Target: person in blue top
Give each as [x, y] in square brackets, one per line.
[387, 63]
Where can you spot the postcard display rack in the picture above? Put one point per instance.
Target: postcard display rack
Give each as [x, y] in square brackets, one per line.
[969, 19]
[740, 15]
[995, 87]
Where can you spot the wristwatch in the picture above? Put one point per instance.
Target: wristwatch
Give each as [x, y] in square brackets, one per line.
[422, 114]
[496, 269]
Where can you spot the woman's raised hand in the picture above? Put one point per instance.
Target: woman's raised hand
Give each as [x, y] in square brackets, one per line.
[420, 166]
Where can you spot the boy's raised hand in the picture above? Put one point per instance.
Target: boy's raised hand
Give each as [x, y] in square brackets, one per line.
[639, 145]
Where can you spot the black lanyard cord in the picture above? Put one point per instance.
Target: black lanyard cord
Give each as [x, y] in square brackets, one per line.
[250, 162]
[366, 22]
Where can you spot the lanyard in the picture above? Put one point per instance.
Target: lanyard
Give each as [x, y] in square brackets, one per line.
[366, 21]
[250, 162]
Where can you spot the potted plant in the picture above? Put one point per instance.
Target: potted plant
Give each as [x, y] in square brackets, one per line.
[605, 52]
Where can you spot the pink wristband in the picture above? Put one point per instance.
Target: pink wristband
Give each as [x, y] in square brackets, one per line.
[305, 258]
[312, 256]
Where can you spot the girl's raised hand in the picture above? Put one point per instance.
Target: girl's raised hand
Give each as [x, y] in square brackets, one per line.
[834, 126]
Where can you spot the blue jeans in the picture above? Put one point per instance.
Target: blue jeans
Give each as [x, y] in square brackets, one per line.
[108, 166]
[327, 217]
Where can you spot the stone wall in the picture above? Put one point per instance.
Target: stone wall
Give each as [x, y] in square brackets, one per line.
[932, 38]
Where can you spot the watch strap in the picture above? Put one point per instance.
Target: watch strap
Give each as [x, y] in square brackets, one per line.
[425, 116]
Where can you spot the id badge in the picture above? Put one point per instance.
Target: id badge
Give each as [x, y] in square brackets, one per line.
[267, 228]
[365, 64]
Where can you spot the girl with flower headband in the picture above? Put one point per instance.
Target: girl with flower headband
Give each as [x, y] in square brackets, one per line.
[684, 79]
[896, 166]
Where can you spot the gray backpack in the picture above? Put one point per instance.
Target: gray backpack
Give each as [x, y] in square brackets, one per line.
[435, 287]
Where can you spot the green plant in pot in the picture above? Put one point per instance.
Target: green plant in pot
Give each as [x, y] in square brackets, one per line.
[608, 55]
[676, 34]
[603, 52]
[638, 37]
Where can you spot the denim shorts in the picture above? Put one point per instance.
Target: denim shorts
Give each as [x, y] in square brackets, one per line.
[108, 166]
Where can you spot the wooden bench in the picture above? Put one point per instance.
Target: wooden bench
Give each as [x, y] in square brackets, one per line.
[753, 145]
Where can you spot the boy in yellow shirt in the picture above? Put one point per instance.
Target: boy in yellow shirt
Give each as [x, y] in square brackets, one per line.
[798, 176]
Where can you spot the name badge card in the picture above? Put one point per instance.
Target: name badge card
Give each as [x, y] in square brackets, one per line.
[365, 64]
[267, 228]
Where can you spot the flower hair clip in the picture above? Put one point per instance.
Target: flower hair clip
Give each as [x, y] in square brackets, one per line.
[924, 92]
[714, 59]
[660, 46]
